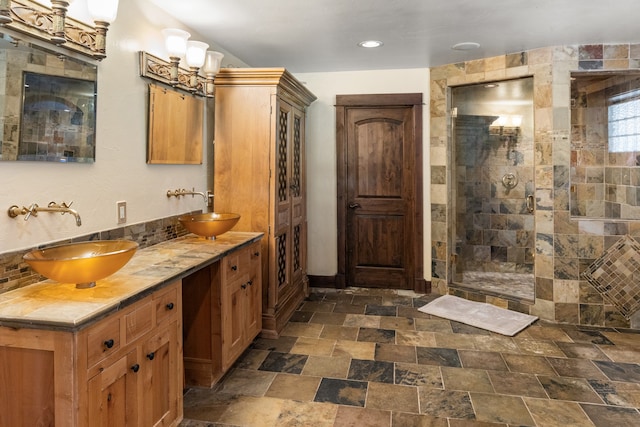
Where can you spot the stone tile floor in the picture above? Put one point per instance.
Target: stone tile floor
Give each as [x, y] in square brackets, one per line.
[366, 357]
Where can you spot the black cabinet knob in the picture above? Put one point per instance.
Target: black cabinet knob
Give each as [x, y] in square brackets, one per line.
[256, 254]
[135, 368]
[250, 283]
[109, 343]
[151, 355]
[234, 267]
[243, 286]
[170, 306]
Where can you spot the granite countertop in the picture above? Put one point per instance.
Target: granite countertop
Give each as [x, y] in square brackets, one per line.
[52, 305]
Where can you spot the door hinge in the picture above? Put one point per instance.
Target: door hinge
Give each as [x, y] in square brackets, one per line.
[453, 258]
[454, 112]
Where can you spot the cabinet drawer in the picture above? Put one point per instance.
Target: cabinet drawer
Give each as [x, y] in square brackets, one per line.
[235, 265]
[103, 339]
[139, 320]
[254, 256]
[166, 302]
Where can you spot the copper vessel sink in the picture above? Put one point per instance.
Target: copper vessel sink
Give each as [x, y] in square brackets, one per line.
[210, 224]
[81, 263]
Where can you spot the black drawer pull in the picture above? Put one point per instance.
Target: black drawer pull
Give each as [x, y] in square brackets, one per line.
[243, 286]
[170, 306]
[256, 254]
[135, 368]
[234, 267]
[151, 355]
[250, 283]
[109, 343]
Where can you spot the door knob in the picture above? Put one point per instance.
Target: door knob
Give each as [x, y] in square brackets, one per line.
[354, 205]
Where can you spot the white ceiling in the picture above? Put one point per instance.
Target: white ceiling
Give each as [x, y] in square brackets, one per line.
[322, 35]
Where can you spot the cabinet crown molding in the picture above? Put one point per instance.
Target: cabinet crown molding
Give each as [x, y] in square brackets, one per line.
[266, 77]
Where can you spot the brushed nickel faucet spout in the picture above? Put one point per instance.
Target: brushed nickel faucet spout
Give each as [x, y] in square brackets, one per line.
[206, 195]
[33, 210]
[63, 209]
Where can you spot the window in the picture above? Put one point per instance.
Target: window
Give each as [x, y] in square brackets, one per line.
[624, 122]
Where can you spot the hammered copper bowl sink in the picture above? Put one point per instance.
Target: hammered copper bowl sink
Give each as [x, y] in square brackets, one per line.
[81, 263]
[210, 224]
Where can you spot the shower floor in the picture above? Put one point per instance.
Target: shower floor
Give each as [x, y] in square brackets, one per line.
[515, 285]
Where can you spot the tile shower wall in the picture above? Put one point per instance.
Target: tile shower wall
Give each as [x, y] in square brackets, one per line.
[15, 273]
[565, 246]
[494, 230]
[603, 184]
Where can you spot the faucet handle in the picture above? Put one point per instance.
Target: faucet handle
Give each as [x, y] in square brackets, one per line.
[33, 209]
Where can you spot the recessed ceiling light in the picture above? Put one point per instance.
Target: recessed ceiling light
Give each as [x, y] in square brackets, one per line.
[466, 46]
[370, 43]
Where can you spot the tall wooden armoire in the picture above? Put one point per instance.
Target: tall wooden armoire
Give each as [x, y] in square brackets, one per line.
[259, 173]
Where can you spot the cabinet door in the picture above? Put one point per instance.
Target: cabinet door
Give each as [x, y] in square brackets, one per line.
[233, 320]
[160, 373]
[297, 185]
[254, 295]
[281, 253]
[113, 393]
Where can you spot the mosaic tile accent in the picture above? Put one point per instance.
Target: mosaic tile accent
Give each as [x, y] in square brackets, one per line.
[616, 275]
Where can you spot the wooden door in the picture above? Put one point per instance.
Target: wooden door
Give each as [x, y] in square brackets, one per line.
[379, 191]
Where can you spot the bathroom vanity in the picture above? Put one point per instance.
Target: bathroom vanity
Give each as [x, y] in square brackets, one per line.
[113, 354]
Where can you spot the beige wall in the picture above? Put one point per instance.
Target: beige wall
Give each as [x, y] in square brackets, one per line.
[321, 154]
[120, 171]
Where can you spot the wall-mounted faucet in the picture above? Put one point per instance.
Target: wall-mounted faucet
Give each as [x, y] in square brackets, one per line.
[206, 195]
[63, 208]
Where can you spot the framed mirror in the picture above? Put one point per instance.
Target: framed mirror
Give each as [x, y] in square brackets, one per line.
[47, 104]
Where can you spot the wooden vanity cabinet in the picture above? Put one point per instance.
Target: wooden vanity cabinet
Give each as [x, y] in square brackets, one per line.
[222, 314]
[142, 379]
[124, 370]
[260, 173]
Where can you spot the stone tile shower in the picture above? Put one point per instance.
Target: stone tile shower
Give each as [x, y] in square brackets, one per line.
[586, 267]
[493, 188]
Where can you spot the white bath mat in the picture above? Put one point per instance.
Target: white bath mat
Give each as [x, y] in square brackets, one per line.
[479, 314]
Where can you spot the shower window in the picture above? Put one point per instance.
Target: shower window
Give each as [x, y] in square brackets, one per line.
[624, 122]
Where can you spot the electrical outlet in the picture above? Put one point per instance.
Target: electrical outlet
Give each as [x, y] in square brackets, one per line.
[122, 212]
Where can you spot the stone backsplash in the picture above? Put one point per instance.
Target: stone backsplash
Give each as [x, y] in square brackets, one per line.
[15, 273]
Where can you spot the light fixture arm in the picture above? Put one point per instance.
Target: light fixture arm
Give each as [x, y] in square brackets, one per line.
[53, 25]
[169, 73]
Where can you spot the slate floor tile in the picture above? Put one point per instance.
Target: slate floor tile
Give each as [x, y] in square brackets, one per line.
[342, 392]
[628, 372]
[438, 356]
[336, 366]
[371, 370]
[284, 362]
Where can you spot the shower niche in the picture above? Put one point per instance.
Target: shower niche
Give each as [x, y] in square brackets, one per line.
[493, 191]
[605, 145]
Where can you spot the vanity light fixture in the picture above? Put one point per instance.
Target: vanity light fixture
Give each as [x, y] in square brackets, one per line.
[211, 67]
[196, 56]
[52, 23]
[103, 14]
[5, 11]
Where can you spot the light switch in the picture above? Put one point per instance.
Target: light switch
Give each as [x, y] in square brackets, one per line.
[122, 212]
